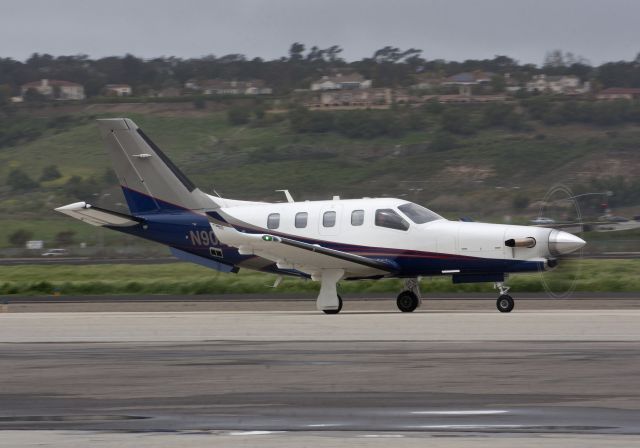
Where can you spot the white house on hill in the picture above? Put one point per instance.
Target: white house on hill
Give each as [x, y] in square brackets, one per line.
[341, 82]
[565, 85]
[55, 89]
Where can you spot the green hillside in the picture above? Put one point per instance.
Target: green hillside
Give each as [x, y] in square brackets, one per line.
[482, 174]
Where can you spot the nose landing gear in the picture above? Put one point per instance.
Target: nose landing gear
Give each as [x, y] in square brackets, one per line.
[505, 302]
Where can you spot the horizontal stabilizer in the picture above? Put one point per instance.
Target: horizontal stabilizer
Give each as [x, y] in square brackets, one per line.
[97, 216]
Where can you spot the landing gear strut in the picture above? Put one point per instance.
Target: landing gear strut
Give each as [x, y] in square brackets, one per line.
[409, 299]
[328, 301]
[505, 302]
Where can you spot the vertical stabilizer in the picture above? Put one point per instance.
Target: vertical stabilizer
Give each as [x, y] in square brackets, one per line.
[149, 180]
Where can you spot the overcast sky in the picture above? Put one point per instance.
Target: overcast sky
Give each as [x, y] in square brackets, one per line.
[599, 30]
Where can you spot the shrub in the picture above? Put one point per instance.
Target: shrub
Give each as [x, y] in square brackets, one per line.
[80, 188]
[457, 121]
[442, 141]
[199, 103]
[50, 172]
[497, 114]
[65, 238]
[238, 116]
[20, 237]
[303, 121]
[520, 202]
[18, 180]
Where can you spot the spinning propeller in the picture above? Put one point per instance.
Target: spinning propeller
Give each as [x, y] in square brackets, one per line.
[561, 212]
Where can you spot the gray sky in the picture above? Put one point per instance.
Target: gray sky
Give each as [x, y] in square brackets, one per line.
[599, 30]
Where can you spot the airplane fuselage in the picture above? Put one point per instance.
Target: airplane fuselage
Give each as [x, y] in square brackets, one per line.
[468, 251]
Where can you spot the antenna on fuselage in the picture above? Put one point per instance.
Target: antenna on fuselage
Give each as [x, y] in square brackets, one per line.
[287, 195]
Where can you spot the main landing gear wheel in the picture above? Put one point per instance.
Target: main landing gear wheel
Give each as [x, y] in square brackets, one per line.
[336, 311]
[505, 303]
[407, 301]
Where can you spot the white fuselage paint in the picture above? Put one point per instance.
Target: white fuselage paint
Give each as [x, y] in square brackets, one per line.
[440, 236]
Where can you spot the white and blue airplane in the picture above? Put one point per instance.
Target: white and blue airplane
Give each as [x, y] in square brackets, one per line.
[326, 241]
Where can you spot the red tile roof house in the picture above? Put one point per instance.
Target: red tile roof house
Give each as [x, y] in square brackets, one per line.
[52, 88]
[618, 93]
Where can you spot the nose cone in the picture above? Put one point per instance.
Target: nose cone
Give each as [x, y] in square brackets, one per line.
[561, 243]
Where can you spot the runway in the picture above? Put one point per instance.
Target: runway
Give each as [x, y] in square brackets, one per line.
[294, 378]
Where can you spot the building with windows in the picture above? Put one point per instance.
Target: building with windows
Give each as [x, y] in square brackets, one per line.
[618, 93]
[54, 89]
[563, 85]
[469, 78]
[341, 81]
[117, 90]
[352, 99]
[222, 87]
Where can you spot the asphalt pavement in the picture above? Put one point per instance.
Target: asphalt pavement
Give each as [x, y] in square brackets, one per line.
[300, 378]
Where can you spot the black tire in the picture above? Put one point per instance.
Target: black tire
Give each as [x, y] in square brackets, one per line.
[336, 311]
[505, 303]
[407, 301]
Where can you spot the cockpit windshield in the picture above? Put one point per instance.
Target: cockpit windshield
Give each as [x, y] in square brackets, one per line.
[418, 213]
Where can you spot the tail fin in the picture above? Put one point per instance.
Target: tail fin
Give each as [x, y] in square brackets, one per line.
[149, 180]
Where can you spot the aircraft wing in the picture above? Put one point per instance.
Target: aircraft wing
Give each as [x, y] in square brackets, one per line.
[97, 216]
[289, 253]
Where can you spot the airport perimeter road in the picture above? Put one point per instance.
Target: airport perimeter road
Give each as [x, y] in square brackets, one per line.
[446, 379]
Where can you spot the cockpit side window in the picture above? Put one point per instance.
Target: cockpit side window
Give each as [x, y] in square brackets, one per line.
[418, 213]
[386, 217]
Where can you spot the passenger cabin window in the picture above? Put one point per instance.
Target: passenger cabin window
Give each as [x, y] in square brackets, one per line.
[418, 213]
[357, 217]
[386, 217]
[273, 221]
[301, 220]
[329, 219]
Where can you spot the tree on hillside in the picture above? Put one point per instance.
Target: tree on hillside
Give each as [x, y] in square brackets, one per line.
[50, 172]
[5, 94]
[296, 52]
[18, 180]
